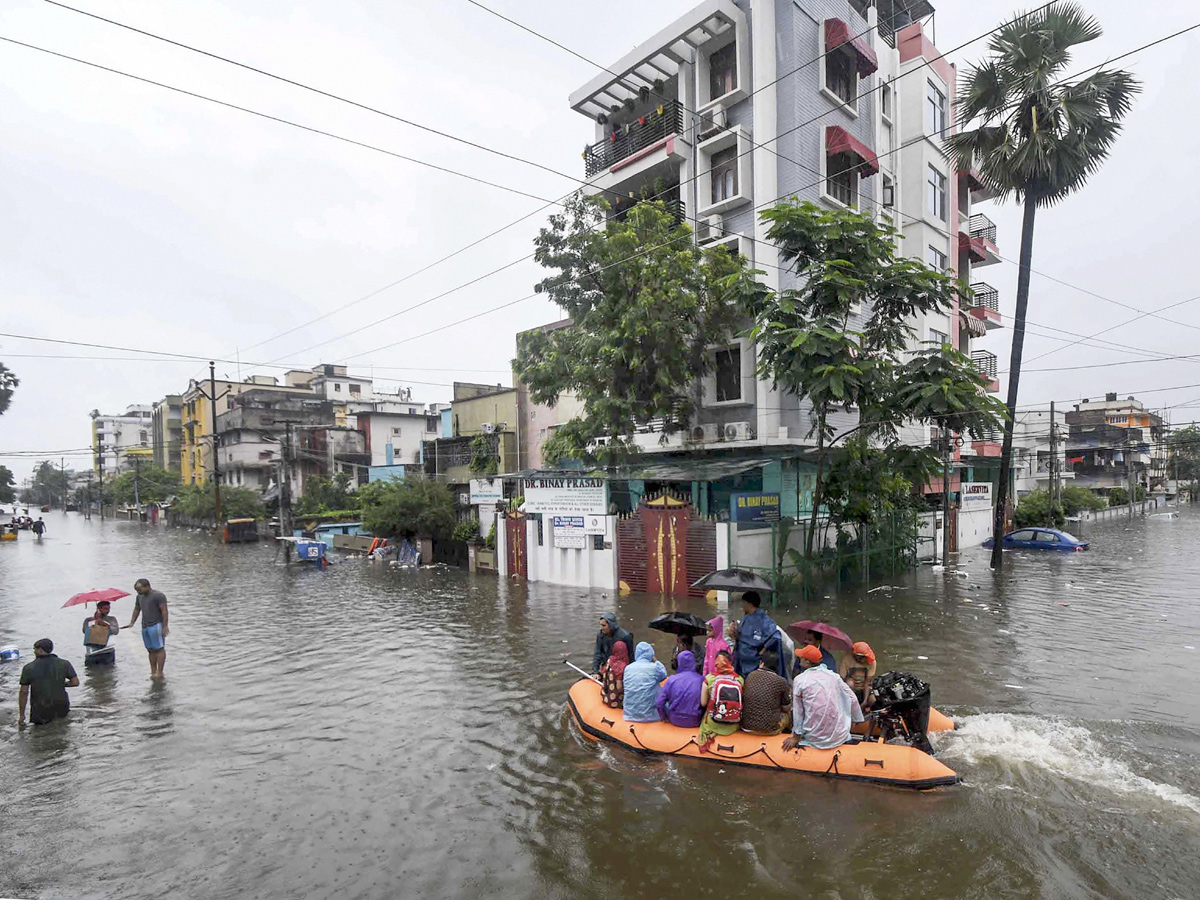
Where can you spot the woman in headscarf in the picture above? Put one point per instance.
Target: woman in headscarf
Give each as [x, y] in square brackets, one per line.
[612, 676]
[715, 644]
[721, 698]
[679, 700]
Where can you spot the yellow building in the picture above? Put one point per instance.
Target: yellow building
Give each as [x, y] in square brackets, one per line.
[196, 450]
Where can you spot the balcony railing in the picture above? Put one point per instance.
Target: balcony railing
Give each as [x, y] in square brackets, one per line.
[639, 134]
[985, 362]
[983, 227]
[676, 207]
[983, 294]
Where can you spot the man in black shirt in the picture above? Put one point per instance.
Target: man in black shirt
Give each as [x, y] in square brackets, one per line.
[766, 697]
[47, 679]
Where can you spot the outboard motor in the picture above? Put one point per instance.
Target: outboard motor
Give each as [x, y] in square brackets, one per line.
[902, 708]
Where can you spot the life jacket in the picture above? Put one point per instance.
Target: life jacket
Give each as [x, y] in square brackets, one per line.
[725, 699]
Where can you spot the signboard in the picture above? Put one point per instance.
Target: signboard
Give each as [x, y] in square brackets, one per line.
[754, 510]
[595, 525]
[566, 496]
[976, 495]
[569, 533]
[486, 491]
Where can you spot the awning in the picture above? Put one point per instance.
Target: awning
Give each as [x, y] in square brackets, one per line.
[838, 33]
[839, 140]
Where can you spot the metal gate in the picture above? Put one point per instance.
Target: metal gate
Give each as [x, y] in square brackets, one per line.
[515, 543]
[664, 547]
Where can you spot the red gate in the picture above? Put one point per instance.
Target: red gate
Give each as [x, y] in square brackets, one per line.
[664, 547]
[515, 541]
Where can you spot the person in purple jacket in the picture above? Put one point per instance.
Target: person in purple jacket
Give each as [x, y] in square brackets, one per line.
[679, 700]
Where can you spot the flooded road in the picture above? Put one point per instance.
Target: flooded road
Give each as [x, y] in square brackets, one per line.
[359, 733]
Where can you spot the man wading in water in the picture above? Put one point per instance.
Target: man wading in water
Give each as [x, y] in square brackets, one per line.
[152, 605]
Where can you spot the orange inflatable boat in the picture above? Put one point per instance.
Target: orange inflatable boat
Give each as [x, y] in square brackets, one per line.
[896, 764]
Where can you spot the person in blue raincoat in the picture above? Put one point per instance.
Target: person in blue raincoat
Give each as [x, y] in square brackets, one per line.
[756, 633]
[642, 678]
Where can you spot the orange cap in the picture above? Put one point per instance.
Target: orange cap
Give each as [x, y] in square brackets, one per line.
[862, 648]
[811, 653]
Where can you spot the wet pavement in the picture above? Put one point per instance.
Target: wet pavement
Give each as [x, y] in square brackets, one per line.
[364, 733]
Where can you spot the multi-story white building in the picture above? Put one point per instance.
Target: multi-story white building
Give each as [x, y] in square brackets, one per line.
[118, 440]
[1034, 453]
[741, 103]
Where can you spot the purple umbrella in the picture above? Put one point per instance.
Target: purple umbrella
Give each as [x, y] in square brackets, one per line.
[834, 638]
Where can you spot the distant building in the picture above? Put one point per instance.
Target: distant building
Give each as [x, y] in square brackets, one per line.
[483, 427]
[118, 440]
[166, 433]
[1113, 443]
[1031, 460]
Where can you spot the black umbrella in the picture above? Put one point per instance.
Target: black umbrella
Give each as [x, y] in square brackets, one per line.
[679, 623]
[734, 580]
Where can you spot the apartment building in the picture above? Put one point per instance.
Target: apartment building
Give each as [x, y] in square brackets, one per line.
[1113, 443]
[167, 432]
[740, 103]
[119, 440]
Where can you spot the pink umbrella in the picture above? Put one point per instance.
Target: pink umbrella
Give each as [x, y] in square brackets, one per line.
[95, 596]
[835, 638]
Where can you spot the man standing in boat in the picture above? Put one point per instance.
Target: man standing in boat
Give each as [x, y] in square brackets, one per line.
[756, 633]
[152, 606]
[610, 633]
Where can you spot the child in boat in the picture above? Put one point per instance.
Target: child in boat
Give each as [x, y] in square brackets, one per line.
[612, 676]
[721, 698]
[715, 644]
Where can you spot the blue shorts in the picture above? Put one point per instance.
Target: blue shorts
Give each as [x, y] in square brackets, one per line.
[152, 637]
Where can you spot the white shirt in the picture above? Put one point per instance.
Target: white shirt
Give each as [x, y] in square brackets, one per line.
[823, 706]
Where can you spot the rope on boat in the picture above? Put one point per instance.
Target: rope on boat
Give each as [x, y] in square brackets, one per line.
[833, 764]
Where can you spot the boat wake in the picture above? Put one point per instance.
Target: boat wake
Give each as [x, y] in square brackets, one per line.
[1055, 746]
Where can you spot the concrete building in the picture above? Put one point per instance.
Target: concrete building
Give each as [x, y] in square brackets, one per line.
[167, 432]
[118, 440]
[1032, 451]
[1116, 443]
[483, 424]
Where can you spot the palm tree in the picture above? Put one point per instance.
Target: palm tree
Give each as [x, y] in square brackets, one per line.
[1034, 135]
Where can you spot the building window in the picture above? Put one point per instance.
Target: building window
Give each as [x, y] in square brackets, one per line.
[356, 388]
[937, 337]
[936, 118]
[886, 144]
[729, 374]
[935, 191]
[936, 259]
[395, 431]
[841, 75]
[885, 100]
[841, 180]
[724, 174]
[432, 424]
[722, 71]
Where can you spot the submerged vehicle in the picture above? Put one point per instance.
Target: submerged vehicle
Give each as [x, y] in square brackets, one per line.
[868, 758]
[1039, 539]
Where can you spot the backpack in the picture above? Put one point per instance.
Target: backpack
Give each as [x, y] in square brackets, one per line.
[725, 699]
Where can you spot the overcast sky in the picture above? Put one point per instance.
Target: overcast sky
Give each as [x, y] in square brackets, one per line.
[138, 217]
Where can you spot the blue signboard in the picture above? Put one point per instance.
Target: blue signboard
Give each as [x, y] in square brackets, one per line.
[754, 510]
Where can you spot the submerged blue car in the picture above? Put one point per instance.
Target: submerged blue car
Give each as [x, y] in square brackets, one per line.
[1040, 539]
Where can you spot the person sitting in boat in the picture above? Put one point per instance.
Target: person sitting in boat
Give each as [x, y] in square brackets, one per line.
[610, 632]
[612, 677]
[858, 671]
[756, 633]
[815, 638]
[679, 700]
[716, 642]
[722, 701]
[100, 618]
[642, 678]
[766, 698]
[683, 642]
[823, 706]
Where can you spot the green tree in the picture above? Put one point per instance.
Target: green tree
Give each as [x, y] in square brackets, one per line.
[1037, 136]
[7, 483]
[49, 484]
[645, 305]
[199, 502]
[154, 485]
[324, 494]
[485, 457]
[844, 261]
[1036, 508]
[413, 506]
[1183, 454]
[8, 384]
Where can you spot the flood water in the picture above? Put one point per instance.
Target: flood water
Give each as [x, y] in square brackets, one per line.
[363, 733]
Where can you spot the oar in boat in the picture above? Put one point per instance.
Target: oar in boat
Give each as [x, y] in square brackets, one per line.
[580, 671]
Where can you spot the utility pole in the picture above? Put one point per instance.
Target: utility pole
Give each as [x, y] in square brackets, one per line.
[62, 470]
[1129, 464]
[1053, 463]
[87, 506]
[101, 468]
[212, 401]
[285, 485]
[945, 438]
[137, 497]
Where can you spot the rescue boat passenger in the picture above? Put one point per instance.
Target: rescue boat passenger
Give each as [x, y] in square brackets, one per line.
[642, 678]
[679, 700]
[609, 633]
[715, 643]
[767, 698]
[858, 671]
[612, 677]
[756, 632]
[682, 642]
[823, 706]
[722, 702]
[815, 638]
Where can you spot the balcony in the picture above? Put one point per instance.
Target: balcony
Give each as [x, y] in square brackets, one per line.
[676, 207]
[985, 363]
[984, 304]
[630, 142]
[981, 241]
[973, 184]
